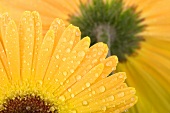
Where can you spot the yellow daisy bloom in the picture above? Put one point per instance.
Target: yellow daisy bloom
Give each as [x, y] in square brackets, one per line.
[147, 65]
[57, 73]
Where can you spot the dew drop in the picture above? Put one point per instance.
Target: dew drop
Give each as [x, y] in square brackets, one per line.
[87, 84]
[40, 82]
[102, 89]
[68, 50]
[121, 94]
[67, 81]
[57, 56]
[56, 80]
[28, 29]
[64, 59]
[94, 55]
[109, 63]
[130, 104]
[104, 108]
[93, 92]
[78, 77]
[64, 73]
[69, 89]
[132, 99]
[103, 100]
[111, 98]
[94, 50]
[38, 24]
[24, 19]
[61, 83]
[99, 53]
[46, 49]
[72, 61]
[72, 95]
[71, 42]
[81, 53]
[73, 111]
[77, 33]
[117, 111]
[82, 88]
[94, 61]
[132, 91]
[96, 75]
[89, 89]
[64, 40]
[121, 76]
[126, 110]
[48, 79]
[84, 103]
[52, 109]
[72, 70]
[62, 98]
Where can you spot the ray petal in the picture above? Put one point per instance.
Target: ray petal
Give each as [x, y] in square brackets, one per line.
[12, 51]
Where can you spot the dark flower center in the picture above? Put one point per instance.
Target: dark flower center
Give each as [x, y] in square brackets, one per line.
[109, 22]
[27, 104]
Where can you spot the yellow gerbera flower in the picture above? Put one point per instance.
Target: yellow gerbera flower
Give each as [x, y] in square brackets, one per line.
[58, 73]
[146, 61]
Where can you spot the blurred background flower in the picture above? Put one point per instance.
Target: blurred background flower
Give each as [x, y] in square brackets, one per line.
[140, 29]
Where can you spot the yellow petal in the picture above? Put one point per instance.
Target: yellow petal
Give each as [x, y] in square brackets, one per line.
[44, 55]
[26, 30]
[12, 51]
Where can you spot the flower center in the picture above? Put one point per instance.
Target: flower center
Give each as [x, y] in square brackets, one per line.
[109, 22]
[105, 33]
[27, 104]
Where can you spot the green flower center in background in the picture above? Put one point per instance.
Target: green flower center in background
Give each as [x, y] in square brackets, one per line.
[111, 23]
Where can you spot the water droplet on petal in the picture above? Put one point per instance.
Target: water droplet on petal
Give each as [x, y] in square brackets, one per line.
[64, 59]
[102, 89]
[64, 73]
[104, 108]
[132, 99]
[121, 94]
[61, 83]
[68, 50]
[77, 33]
[62, 98]
[38, 24]
[69, 89]
[87, 84]
[93, 92]
[72, 70]
[96, 75]
[100, 53]
[130, 104]
[72, 95]
[109, 63]
[111, 98]
[78, 77]
[132, 91]
[81, 53]
[73, 111]
[64, 40]
[71, 42]
[94, 61]
[117, 111]
[121, 76]
[126, 110]
[84, 103]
